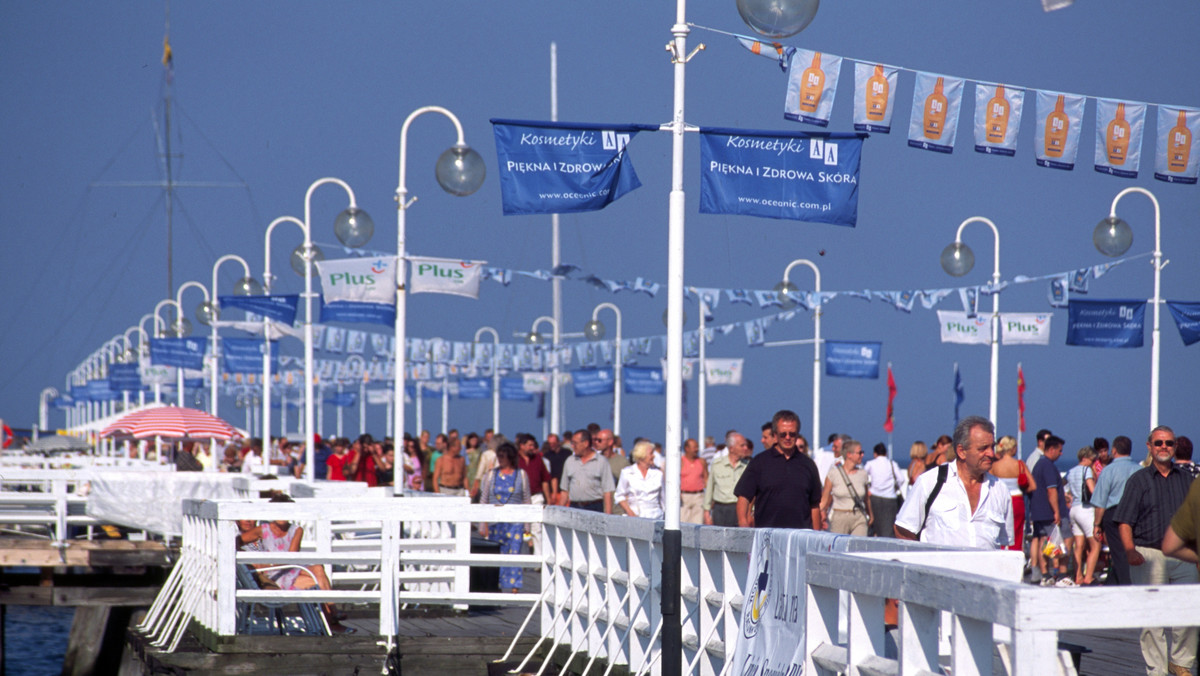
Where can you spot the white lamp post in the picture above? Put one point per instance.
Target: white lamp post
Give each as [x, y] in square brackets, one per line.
[784, 288]
[495, 374]
[44, 410]
[268, 281]
[183, 326]
[460, 171]
[163, 329]
[957, 260]
[348, 226]
[535, 338]
[594, 330]
[210, 313]
[1113, 237]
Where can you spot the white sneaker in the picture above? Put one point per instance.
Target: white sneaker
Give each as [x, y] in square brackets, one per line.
[1065, 582]
[1047, 581]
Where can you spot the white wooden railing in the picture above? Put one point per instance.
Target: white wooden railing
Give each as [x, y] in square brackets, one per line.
[46, 502]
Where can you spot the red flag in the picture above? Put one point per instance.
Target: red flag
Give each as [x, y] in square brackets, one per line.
[1021, 398]
[890, 423]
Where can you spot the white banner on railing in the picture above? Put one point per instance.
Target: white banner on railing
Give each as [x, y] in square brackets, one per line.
[773, 613]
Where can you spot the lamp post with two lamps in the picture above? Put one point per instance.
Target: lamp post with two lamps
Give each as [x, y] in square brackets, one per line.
[459, 171]
[595, 330]
[957, 260]
[1113, 237]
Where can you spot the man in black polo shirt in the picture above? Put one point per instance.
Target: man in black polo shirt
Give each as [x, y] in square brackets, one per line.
[1152, 496]
[781, 483]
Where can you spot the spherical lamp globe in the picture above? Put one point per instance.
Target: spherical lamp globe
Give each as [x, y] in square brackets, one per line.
[958, 259]
[354, 227]
[1112, 236]
[778, 18]
[460, 170]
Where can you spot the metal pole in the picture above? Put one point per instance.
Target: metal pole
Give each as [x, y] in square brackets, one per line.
[702, 386]
[1155, 349]
[266, 374]
[555, 261]
[495, 373]
[445, 404]
[817, 312]
[995, 364]
[672, 637]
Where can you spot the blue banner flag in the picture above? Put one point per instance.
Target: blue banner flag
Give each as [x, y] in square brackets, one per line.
[792, 175]
[185, 352]
[643, 380]
[558, 168]
[592, 382]
[358, 312]
[63, 403]
[125, 377]
[244, 355]
[342, 399]
[852, 359]
[101, 390]
[79, 393]
[1106, 323]
[513, 389]
[474, 388]
[426, 392]
[280, 308]
[1187, 318]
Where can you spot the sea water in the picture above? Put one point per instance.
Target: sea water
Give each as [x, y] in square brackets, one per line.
[35, 639]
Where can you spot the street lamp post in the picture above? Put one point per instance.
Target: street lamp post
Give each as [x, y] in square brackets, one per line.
[460, 171]
[535, 338]
[162, 329]
[594, 330]
[183, 326]
[1113, 237]
[495, 374]
[957, 260]
[784, 288]
[210, 313]
[268, 281]
[353, 227]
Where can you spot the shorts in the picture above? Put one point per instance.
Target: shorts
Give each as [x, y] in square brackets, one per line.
[1083, 520]
[1041, 529]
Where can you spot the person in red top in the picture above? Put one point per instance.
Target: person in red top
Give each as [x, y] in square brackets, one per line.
[535, 466]
[361, 466]
[693, 477]
[337, 462]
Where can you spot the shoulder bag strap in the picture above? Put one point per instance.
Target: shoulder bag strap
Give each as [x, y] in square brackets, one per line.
[943, 472]
[858, 503]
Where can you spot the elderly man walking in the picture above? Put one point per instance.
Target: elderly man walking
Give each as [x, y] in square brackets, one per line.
[720, 503]
[781, 484]
[960, 503]
[1152, 496]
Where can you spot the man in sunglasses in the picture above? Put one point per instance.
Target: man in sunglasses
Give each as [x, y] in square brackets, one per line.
[781, 483]
[1152, 496]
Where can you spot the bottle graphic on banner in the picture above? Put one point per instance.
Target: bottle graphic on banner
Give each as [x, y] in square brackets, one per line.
[1180, 148]
[877, 95]
[935, 111]
[1057, 124]
[1116, 139]
[812, 84]
[997, 117]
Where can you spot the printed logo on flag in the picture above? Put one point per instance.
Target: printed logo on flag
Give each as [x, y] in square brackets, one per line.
[1058, 129]
[1025, 328]
[550, 167]
[279, 308]
[873, 103]
[1178, 156]
[592, 382]
[812, 84]
[445, 275]
[791, 176]
[1119, 137]
[474, 388]
[184, 352]
[245, 355]
[959, 327]
[643, 380]
[852, 359]
[1106, 323]
[724, 371]
[358, 290]
[124, 377]
[934, 121]
[997, 118]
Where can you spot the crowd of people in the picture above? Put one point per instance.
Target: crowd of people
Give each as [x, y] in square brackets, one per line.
[1108, 519]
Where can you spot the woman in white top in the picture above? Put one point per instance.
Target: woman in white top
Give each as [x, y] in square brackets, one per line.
[1082, 477]
[640, 487]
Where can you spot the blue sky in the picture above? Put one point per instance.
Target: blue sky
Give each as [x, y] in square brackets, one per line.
[276, 95]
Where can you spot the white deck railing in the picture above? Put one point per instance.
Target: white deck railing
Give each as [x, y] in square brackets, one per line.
[47, 502]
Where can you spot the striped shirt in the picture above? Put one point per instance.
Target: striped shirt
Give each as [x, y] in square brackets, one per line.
[1149, 502]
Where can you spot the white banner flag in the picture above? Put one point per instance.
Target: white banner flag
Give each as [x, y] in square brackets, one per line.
[1025, 328]
[445, 275]
[958, 328]
[363, 280]
[724, 371]
[536, 382]
[378, 397]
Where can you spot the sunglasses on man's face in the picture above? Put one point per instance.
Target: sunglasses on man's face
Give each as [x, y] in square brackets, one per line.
[1169, 443]
[788, 435]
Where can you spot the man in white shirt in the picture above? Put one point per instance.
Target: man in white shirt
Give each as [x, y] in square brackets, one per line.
[827, 456]
[962, 505]
[884, 479]
[1036, 454]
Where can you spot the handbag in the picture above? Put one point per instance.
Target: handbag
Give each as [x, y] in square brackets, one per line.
[1086, 493]
[897, 485]
[859, 505]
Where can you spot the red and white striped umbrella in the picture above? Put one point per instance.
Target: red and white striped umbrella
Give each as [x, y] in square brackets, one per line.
[170, 422]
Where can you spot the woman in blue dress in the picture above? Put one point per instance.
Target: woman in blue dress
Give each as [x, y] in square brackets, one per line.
[506, 484]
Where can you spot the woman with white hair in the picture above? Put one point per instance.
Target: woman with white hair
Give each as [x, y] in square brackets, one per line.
[640, 486]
